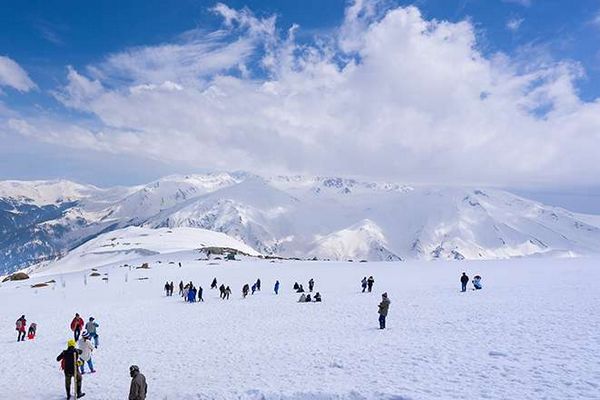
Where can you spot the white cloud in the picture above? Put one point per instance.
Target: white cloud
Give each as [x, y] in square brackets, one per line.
[514, 24]
[389, 94]
[524, 3]
[12, 75]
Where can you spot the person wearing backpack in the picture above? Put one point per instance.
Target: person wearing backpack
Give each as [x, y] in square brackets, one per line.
[21, 324]
[69, 359]
[77, 326]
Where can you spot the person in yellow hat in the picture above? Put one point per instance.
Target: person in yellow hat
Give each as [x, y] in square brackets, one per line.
[69, 360]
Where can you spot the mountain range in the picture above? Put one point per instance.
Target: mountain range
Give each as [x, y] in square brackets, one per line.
[294, 216]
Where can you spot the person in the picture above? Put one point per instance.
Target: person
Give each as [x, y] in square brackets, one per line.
[363, 283]
[258, 284]
[308, 299]
[90, 328]
[384, 307]
[179, 263]
[253, 288]
[200, 290]
[477, 282]
[311, 285]
[245, 290]
[296, 286]
[181, 288]
[186, 292]
[32, 331]
[21, 324]
[300, 289]
[302, 298]
[370, 283]
[77, 326]
[227, 292]
[86, 347]
[69, 361]
[318, 297]
[213, 285]
[171, 288]
[191, 295]
[464, 279]
[222, 290]
[139, 388]
[167, 287]
[276, 288]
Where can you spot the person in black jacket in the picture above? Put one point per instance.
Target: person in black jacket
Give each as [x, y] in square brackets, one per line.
[213, 285]
[69, 359]
[464, 279]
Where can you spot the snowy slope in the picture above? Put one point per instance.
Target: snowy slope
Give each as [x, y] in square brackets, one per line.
[132, 243]
[531, 333]
[296, 216]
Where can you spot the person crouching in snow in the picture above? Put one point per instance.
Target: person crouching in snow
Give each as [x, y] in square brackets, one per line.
[69, 359]
[384, 307]
[318, 297]
[32, 330]
[477, 282]
[86, 347]
[302, 298]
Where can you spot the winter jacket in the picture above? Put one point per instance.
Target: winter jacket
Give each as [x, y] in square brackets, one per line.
[69, 356]
[90, 327]
[77, 323]
[138, 388]
[86, 347]
[464, 279]
[21, 324]
[477, 283]
[384, 307]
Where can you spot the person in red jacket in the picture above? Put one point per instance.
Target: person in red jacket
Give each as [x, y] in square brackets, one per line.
[77, 326]
[21, 325]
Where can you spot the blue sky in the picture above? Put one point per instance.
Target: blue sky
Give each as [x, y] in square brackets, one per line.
[80, 102]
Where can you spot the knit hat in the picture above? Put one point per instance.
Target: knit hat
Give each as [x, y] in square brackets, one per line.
[71, 343]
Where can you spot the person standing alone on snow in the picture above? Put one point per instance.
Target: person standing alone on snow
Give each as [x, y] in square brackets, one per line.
[384, 307]
[181, 288]
[138, 388]
[91, 327]
[276, 288]
[21, 324]
[464, 279]
[257, 284]
[77, 326]
[69, 360]
[311, 285]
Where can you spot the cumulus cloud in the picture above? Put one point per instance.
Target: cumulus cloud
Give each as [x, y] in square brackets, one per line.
[514, 24]
[12, 75]
[389, 94]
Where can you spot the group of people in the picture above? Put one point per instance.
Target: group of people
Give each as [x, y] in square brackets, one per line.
[169, 288]
[21, 328]
[305, 298]
[367, 284]
[464, 280]
[189, 292]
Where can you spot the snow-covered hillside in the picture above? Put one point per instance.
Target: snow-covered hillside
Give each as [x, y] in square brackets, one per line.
[295, 216]
[531, 333]
[133, 243]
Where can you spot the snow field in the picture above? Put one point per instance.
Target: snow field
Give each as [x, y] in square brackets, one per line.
[533, 332]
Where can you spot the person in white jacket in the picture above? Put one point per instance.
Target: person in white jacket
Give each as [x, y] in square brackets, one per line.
[86, 347]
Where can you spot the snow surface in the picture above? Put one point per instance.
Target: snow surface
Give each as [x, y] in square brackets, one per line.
[533, 332]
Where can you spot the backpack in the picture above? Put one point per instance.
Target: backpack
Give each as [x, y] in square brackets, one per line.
[19, 324]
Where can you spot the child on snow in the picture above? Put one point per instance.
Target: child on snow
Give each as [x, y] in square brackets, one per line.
[32, 330]
[477, 282]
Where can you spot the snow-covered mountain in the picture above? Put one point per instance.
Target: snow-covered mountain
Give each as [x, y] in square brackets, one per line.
[294, 216]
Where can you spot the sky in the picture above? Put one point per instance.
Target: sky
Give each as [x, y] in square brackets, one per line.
[474, 92]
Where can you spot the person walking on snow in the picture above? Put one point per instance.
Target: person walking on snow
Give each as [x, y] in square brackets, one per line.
[213, 285]
[245, 290]
[363, 283]
[171, 287]
[77, 326]
[258, 284]
[138, 390]
[253, 288]
[227, 292]
[200, 290]
[311, 285]
[276, 288]
[464, 279]
[181, 288]
[370, 283]
[167, 287]
[384, 307]
[91, 327]
[222, 290]
[86, 348]
[20, 326]
[69, 359]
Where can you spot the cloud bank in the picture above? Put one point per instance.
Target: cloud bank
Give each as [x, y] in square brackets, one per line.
[387, 94]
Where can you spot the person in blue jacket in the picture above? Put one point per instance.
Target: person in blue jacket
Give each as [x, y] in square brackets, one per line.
[276, 287]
